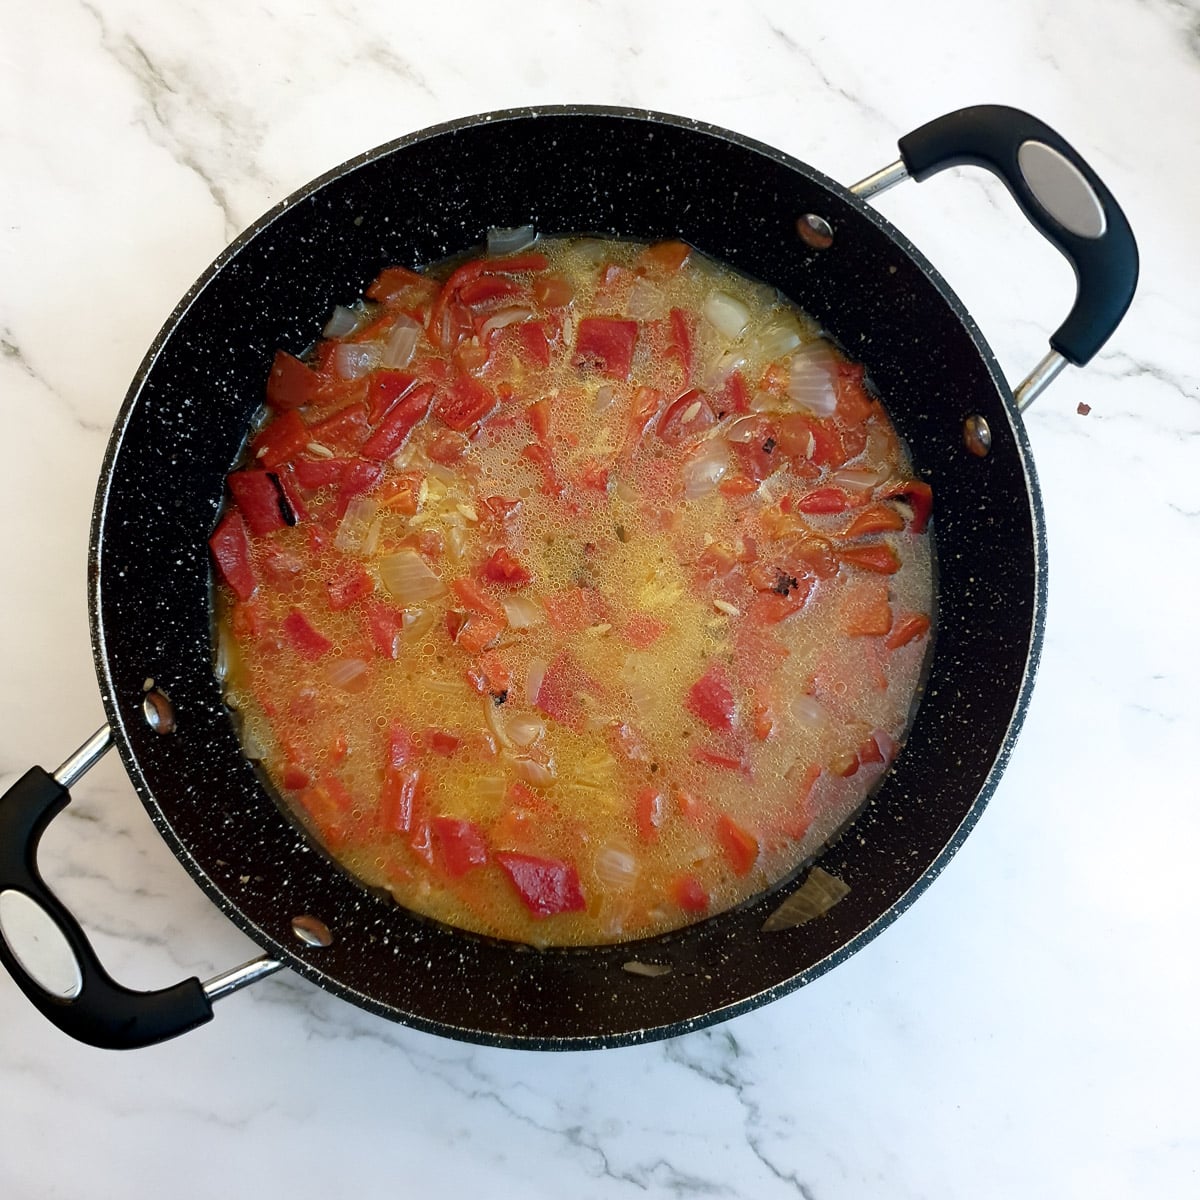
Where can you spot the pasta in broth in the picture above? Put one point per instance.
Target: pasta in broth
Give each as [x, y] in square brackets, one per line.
[573, 595]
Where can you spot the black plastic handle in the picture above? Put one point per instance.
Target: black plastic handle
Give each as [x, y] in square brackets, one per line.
[1051, 183]
[104, 1014]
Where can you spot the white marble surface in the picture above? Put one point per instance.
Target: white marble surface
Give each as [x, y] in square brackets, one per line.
[1030, 1027]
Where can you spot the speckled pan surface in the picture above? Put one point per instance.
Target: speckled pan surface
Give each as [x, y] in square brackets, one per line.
[609, 171]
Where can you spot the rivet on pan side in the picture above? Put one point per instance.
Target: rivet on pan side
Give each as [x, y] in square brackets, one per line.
[312, 931]
[159, 714]
[977, 436]
[815, 231]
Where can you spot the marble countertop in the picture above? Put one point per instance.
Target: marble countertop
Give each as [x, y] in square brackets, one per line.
[1029, 1027]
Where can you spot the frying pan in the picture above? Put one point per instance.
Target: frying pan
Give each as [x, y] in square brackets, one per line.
[604, 171]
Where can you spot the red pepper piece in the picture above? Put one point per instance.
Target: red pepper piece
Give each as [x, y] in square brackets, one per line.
[347, 429]
[642, 630]
[231, 551]
[854, 403]
[307, 640]
[880, 558]
[541, 457]
[258, 497]
[460, 845]
[688, 893]
[533, 337]
[487, 288]
[441, 742]
[711, 699]
[387, 388]
[919, 496]
[690, 416]
[538, 416]
[464, 403]
[876, 518]
[606, 344]
[739, 845]
[504, 568]
[357, 478]
[395, 283]
[824, 500]
[865, 608]
[385, 625]
[290, 383]
[680, 345]
[399, 798]
[351, 585]
[479, 633]
[546, 885]
[281, 440]
[447, 447]
[907, 629]
[398, 424]
[718, 758]
[558, 695]
[315, 473]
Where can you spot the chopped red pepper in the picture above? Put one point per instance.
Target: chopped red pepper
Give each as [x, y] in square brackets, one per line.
[538, 415]
[400, 798]
[258, 497]
[504, 568]
[546, 885]
[281, 440]
[386, 390]
[824, 500]
[680, 345]
[464, 403]
[398, 424]
[919, 496]
[347, 429]
[479, 633]
[307, 640]
[290, 383]
[460, 845]
[740, 846]
[349, 586]
[865, 608]
[231, 550]
[540, 456]
[689, 894]
[396, 283]
[642, 630]
[876, 518]
[607, 344]
[534, 339]
[358, 477]
[690, 416]
[907, 629]
[561, 687]
[711, 699]
[649, 812]
[385, 625]
[880, 558]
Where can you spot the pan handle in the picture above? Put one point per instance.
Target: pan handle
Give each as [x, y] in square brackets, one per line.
[1060, 194]
[46, 951]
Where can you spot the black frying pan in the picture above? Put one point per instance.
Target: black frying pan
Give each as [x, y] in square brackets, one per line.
[433, 194]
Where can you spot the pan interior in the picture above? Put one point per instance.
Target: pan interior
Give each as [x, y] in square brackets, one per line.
[612, 173]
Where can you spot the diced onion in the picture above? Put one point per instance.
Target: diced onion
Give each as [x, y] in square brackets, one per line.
[727, 315]
[645, 300]
[506, 316]
[226, 650]
[509, 241]
[706, 468]
[342, 321]
[524, 730]
[355, 527]
[779, 336]
[523, 612]
[857, 479]
[407, 576]
[811, 382]
[538, 774]
[495, 723]
[401, 343]
[456, 542]
[730, 361]
[615, 867]
[353, 360]
[252, 745]
[349, 674]
[533, 681]
[809, 711]
[744, 430]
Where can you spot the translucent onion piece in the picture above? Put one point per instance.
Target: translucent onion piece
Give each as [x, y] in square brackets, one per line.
[226, 650]
[779, 336]
[706, 468]
[645, 301]
[524, 730]
[407, 576]
[604, 398]
[811, 382]
[523, 612]
[857, 479]
[456, 542]
[506, 316]
[509, 241]
[616, 867]
[342, 321]
[401, 343]
[646, 970]
[808, 711]
[353, 360]
[814, 897]
[349, 674]
[495, 723]
[252, 745]
[743, 430]
[730, 361]
[355, 527]
[727, 315]
[533, 681]
[538, 774]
